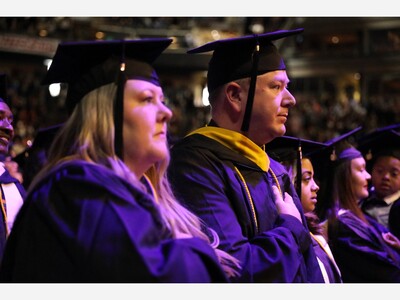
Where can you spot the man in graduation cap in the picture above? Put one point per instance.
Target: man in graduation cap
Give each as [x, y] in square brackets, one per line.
[11, 190]
[223, 174]
[381, 148]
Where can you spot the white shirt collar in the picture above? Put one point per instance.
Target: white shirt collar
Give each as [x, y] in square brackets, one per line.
[2, 168]
[393, 197]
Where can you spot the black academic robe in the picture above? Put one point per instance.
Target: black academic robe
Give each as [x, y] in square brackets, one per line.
[6, 178]
[233, 195]
[360, 252]
[82, 223]
[394, 218]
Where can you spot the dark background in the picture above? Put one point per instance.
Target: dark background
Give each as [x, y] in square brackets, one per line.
[344, 71]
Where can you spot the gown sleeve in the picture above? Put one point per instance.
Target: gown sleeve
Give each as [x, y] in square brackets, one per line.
[361, 254]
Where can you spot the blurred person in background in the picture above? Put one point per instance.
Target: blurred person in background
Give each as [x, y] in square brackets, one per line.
[382, 150]
[11, 190]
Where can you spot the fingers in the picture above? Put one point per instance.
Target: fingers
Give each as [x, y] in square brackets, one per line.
[285, 205]
[288, 198]
[277, 194]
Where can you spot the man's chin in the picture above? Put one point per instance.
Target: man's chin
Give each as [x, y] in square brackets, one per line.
[382, 193]
[281, 131]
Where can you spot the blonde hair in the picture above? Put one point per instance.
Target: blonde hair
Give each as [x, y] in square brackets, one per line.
[89, 132]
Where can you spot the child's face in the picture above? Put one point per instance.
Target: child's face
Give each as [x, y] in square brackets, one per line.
[386, 176]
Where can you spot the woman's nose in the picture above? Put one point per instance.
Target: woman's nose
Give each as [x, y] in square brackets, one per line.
[166, 112]
[315, 186]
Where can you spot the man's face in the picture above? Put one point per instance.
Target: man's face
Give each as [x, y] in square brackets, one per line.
[6, 128]
[272, 101]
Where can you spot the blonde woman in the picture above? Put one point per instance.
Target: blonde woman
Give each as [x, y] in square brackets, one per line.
[92, 214]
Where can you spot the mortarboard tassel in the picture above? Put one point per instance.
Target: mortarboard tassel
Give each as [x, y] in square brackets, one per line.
[119, 107]
[253, 80]
[299, 169]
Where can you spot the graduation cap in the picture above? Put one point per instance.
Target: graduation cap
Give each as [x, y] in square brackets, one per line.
[340, 142]
[290, 150]
[87, 65]
[288, 147]
[33, 158]
[45, 136]
[384, 141]
[242, 57]
[327, 157]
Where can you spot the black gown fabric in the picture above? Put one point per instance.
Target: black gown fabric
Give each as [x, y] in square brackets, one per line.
[394, 218]
[6, 178]
[360, 251]
[85, 224]
[233, 195]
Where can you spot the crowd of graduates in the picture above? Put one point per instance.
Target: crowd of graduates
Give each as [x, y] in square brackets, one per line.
[110, 196]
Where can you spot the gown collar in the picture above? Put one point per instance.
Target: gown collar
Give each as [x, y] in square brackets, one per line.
[237, 142]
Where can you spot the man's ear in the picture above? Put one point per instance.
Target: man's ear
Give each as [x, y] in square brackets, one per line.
[234, 96]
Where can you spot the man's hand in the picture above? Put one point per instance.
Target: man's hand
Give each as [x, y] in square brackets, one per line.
[286, 206]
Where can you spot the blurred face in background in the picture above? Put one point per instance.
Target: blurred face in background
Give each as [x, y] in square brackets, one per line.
[385, 176]
[309, 187]
[6, 128]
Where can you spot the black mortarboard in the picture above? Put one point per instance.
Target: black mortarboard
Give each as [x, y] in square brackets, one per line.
[288, 149]
[87, 65]
[32, 159]
[242, 57]
[384, 141]
[336, 143]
